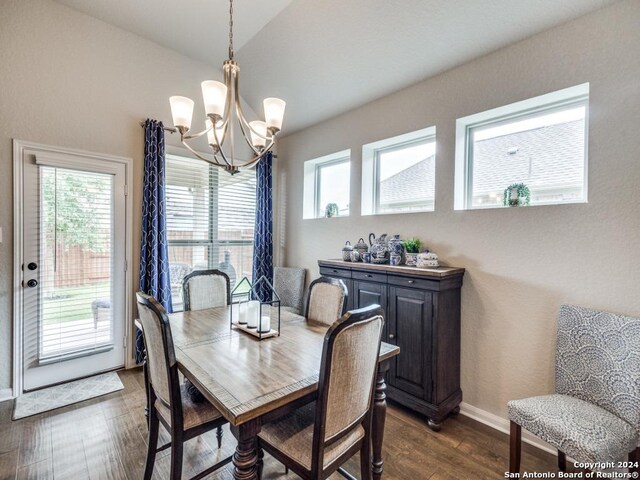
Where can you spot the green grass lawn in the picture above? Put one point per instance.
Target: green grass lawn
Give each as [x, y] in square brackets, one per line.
[72, 303]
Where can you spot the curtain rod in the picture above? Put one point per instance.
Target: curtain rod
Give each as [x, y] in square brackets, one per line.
[174, 130]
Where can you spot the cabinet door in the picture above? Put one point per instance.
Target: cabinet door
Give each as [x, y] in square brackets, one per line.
[410, 328]
[368, 293]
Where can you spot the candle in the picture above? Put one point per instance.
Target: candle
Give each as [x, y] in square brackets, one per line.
[242, 313]
[265, 324]
[253, 313]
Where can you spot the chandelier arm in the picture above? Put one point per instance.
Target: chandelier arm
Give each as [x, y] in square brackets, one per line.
[201, 157]
[195, 135]
[243, 119]
[220, 149]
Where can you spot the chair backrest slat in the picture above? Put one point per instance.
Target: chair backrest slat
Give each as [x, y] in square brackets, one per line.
[598, 360]
[347, 375]
[327, 300]
[203, 289]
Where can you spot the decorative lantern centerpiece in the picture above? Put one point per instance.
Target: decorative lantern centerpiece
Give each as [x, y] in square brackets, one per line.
[257, 309]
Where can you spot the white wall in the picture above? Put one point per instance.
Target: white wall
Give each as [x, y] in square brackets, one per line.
[70, 80]
[521, 263]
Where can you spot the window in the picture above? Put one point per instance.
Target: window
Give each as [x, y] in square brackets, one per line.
[541, 142]
[398, 174]
[327, 186]
[210, 221]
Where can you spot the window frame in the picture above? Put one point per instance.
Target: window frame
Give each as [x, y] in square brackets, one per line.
[370, 192]
[311, 208]
[554, 102]
[421, 140]
[318, 183]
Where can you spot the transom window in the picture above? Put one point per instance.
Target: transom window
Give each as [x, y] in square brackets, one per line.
[540, 142]
[327, 186]
[399, 174]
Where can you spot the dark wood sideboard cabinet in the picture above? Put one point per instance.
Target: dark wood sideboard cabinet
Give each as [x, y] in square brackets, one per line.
[422, 309]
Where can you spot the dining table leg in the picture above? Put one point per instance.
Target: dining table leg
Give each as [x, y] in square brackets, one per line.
[245, 458]
[379, 416]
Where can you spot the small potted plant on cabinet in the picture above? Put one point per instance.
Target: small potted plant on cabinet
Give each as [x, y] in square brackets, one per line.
[412, 247]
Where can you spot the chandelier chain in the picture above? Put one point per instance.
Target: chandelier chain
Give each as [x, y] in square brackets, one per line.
[230, 29]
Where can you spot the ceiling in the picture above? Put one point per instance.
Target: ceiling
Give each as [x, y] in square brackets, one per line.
[327, 57]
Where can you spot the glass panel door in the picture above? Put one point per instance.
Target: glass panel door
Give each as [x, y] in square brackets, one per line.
[73, 274]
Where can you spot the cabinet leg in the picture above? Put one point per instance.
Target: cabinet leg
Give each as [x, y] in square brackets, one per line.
[433, 425]
[455, 411]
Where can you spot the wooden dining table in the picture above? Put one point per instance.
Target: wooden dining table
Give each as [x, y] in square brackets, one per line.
[252, 382]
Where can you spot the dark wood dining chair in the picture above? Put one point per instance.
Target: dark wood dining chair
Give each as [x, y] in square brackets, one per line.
[169, 403]
[206, 289]
[317, 439]
[326, 300]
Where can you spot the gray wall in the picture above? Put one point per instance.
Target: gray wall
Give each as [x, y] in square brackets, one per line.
[521, 263]
[67, 79]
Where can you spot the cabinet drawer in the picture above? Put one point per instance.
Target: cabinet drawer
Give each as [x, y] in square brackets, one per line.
[412, 282]
[335, 272]
[369, 276]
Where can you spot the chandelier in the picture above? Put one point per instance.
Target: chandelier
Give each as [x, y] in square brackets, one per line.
[222, 117]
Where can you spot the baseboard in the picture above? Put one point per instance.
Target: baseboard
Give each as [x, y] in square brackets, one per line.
[6, 394]
[502, 425]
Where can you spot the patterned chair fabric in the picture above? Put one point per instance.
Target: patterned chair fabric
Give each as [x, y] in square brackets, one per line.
[595, 414]
[205, 289]
[288, 282]
[326, 302]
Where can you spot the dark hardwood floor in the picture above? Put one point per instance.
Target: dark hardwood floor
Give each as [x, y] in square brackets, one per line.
[105, 438]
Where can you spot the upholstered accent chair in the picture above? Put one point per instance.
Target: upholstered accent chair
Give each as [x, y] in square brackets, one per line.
[206, 289]
[168, 402]
[317, 439]
[594, 416]
[288, 283]
[326, 301]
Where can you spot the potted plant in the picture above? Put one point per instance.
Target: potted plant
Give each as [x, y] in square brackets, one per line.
[516, 195]
[331, 210]
[411, 247]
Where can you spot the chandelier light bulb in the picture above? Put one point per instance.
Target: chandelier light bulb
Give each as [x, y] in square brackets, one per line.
[214, 95]
[181, 111]
[274, 113]
[260, 127]
[211, 139]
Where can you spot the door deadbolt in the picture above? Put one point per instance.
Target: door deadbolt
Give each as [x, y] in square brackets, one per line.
[32, 283]
[32, 266]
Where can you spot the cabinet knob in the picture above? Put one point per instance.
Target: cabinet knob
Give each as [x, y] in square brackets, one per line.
[411, 281]
[334, 271]
[392, 336]
[369, 275]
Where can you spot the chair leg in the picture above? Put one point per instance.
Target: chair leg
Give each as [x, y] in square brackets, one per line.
[176, 456]
[634, 459]
[219, 436]
[365, 459]
[152, 445]
[515, 448]
[286, 470]
[562, 461]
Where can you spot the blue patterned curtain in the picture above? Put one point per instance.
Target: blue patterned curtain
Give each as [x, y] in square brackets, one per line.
[263, 232]
[154, 256]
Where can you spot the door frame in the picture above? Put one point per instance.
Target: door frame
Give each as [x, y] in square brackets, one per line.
[21, 147]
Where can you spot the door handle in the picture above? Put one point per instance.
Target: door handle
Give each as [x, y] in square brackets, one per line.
[32, 283]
